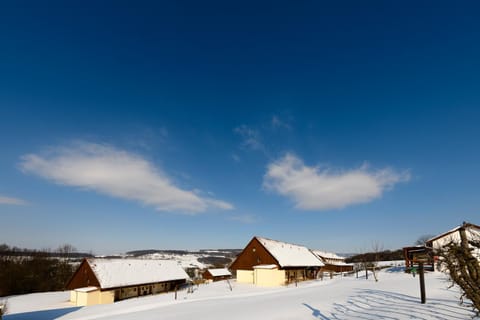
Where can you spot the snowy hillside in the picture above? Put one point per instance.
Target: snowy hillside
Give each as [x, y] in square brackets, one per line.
[185, 260]
[188, 259]
[395, 296]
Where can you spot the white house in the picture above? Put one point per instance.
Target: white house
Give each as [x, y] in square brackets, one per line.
[472, 232]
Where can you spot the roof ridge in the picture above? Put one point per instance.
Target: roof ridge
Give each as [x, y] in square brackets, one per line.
[282, 242]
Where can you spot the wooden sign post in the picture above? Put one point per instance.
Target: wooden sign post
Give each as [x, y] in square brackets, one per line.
[421, 259]
[422, 282]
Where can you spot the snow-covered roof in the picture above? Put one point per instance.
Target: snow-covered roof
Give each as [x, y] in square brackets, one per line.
[331, 258]
[466, 225]
[290, 255]
[87, 289]
[327, 255]
[113, 273]
[219, 272]
[266, 266]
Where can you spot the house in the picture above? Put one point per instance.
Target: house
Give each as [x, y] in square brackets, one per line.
[472, 232]
[217, 274]
[98, 281]
[333, 262]
[426, 253]
[267, 262]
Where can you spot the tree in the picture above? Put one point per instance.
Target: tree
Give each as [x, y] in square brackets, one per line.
[423, 239]
[463, 266]
[64, 269]
[377, 247]
[66, 250]
[34, 271]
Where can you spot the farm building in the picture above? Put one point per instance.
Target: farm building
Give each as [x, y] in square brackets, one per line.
[98, 281]
[267, 262]
[472, 232]
[427, 252]
[217, 274]
[333, 262]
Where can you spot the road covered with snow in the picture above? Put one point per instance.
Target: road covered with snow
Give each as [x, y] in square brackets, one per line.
[394, 296]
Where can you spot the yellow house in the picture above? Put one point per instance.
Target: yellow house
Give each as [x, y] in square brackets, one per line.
[266, 262]
[91, 295]
[99, 281]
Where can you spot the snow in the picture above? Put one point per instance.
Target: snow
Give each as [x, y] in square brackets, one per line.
[37, 302]
[327, 255]
[87, 289]
[266, 266]
[290, 255]
[185, 260]
[394, 296]
[113, 273]
[219, 272]
[331, 258]
[471, 228]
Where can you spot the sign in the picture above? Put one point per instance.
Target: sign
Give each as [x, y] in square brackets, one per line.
[421, 258]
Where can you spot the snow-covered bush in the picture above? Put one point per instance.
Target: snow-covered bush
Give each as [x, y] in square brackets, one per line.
[3, 308]
[463, 267]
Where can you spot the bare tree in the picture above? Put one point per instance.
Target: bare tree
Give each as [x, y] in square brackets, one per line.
[363, 263]
[463, 266]
[423, 239]
[377, 247]
[66, 250]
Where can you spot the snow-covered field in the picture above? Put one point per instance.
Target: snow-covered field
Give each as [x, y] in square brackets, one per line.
[185, 260]
[395, 296]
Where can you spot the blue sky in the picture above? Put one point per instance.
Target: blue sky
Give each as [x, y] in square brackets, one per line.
[187, 125]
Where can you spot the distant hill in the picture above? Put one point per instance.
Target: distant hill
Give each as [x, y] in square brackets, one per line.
[137, 253]
[204, 258]
[224, 252]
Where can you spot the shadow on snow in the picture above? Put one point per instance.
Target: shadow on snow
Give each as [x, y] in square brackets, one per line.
[378, 304]
[316, 313]
[40, 315]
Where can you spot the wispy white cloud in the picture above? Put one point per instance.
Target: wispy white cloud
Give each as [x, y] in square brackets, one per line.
[279, 123]
[12, 201]
[251, 137]
[317, 188]
[117, 173]
[236, 158]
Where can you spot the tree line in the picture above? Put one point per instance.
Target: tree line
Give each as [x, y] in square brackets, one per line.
[26, 271]
[386, 255]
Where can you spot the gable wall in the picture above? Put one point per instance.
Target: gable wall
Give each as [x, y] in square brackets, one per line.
[207, 275]
[472, 234]
[83, 277]
[253, 255]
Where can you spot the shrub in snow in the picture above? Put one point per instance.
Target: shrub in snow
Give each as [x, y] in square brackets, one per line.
[463, 266]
